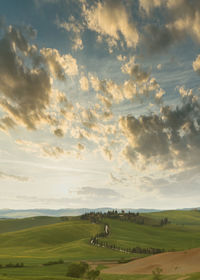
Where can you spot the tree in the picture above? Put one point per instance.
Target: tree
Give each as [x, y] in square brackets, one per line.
[77, 270]
[93, 274]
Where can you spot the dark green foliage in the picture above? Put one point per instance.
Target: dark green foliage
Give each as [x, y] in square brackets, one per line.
[97, 217]
[14, 265]
[77, 270]
[93, 274]
[82, 270]
[54, 262]
[164, 221]
[123, 260]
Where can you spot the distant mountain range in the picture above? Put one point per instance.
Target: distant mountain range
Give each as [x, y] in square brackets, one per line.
[25, 213]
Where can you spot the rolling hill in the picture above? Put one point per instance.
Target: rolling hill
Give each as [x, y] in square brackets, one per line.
[10, 225]
[183, 262]
[190, 217]
[38, 240]
[169, 237]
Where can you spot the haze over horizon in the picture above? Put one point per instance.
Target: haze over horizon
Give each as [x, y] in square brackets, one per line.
[99, 104]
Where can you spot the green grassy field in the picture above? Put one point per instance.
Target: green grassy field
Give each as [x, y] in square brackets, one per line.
[68, 240]
[191, 217]
[169, 237]
[10, 225]
[35, 241]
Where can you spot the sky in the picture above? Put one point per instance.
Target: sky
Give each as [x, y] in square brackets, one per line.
[99, 104]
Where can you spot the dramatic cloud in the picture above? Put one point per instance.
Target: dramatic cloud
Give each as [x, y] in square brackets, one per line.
[169, 139]
[147, 5]
[7, 123]
[110, 19]
[139, 84]
[82, 92]
[76, 28]
[25, 79]
[84, 83]
[59, 65]
[135, 71]
[183, 20]
[196, 64]
[25, 92]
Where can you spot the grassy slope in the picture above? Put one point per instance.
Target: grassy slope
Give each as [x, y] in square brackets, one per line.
[178, 217]
[127, 235]
[69, 240]
[10, 225]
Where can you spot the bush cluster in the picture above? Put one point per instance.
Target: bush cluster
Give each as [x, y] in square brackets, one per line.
[8, 265]
[82, 270]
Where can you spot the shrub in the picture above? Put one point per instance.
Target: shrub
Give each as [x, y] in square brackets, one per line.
[77, 270]
[157, 273]
[93, 274]
[60, 261]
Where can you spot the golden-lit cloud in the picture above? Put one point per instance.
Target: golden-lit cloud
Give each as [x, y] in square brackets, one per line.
[168, 139]
[27, 96]
[110, 19]
[25, 90]
[196, 64]
[84, 83]
[59, 65]
[76, 28]
[147, 5]
[182, 20]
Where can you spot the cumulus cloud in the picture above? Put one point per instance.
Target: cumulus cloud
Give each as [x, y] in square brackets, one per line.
[4, 175]
[186, 17]
[76, 28]
[59, 132]
[80, 147]
[84, 83]
[25, 92]
[111, 19]
[138, 85]
[27, 97]
[183, 19]
[107, 153]
[135, 71]
[59, 65]
[89, 117]
[147, 5]
[112, 92]
[168, 139]
[196, 64]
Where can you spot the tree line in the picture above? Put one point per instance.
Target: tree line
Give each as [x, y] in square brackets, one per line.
[97, 217]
